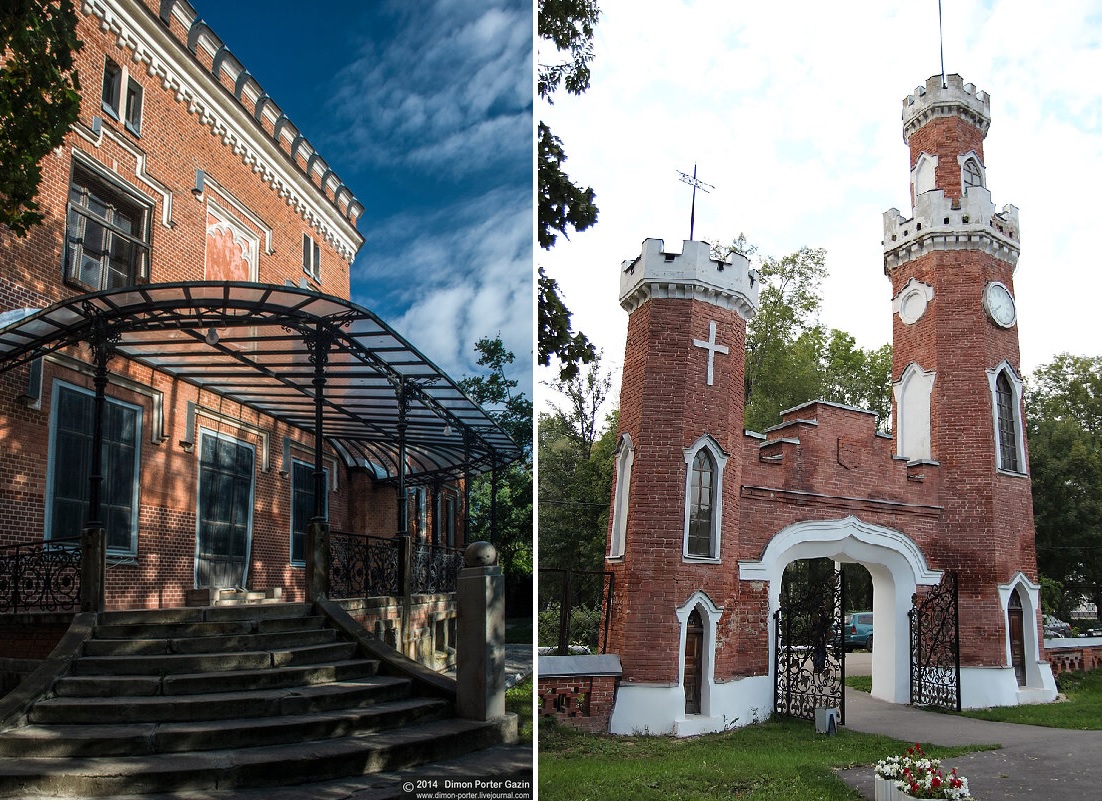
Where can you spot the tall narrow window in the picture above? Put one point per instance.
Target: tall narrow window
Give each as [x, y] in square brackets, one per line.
[971, 174]
[625, 458]
[112, 88]
[134, 106]
[311, 257]
[416, 513]
[302, 507]
[1008, 432]
[106, 235]
[71, 457]
[701, 505]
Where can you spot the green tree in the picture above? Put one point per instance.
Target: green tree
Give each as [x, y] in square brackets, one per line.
[566, 26]
[497, 393]
[1064, 427]
[39, 99]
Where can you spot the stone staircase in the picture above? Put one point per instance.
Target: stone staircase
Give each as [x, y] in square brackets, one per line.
[223, 697]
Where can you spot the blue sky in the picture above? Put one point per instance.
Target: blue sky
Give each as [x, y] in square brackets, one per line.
[793, 113]
[425, 110]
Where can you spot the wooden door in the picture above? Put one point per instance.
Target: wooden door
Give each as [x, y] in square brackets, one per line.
[1016, 620]
[694, 663]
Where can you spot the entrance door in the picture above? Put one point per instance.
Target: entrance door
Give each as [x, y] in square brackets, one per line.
[694, 663]
[224, 532]
[1016, 620]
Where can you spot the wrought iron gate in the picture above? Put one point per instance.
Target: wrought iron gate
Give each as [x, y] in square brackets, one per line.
[810, 663]
[935, 646]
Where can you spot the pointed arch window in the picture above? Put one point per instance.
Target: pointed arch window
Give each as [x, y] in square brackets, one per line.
[971, 174]
[703, 499]
[1006, 406]
[625, 457]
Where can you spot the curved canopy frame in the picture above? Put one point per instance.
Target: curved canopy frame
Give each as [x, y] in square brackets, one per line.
[257, 344]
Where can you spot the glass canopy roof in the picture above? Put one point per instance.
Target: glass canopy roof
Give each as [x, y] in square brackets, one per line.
[252, 343]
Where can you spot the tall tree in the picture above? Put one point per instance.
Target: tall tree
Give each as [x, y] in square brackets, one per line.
[567, 28]
[1064, 427]
[39, 99]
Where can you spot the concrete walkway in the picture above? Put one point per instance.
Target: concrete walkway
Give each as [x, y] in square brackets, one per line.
[1034, 762]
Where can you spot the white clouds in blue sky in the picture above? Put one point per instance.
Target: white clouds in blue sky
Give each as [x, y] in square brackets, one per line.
[793, 112]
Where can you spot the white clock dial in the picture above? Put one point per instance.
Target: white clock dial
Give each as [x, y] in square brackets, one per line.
[999, 305]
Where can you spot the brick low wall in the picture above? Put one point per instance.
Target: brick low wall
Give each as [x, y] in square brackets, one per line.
[32, 635]
[1069, 656]
[581, 702]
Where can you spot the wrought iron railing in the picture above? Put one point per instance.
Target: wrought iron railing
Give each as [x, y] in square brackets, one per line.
[575, 609]
[40, 576]
[361, 566]
[435, 568]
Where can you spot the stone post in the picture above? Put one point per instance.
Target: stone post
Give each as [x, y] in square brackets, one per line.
[405, 590]
[93, 569]
[480, 650]
[317, 560]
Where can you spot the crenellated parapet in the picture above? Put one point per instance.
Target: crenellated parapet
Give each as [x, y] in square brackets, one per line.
[941, 223]
[957, 99]
[694, 274]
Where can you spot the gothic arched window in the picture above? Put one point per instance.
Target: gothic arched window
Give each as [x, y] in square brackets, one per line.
[704, 463]
[1008, 430]
[971, 174]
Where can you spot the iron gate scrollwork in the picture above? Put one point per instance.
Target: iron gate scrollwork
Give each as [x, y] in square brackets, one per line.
[935, 646]
[810, 658]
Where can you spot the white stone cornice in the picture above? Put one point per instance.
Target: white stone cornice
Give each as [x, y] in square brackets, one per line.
[179, 73]
[692, 274]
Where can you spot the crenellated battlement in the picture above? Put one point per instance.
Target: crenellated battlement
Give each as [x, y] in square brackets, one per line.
[693, 273]
[958, 99]
[941, 223]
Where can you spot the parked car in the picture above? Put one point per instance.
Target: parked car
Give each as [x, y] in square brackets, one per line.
[1054, 627]
[857, 630]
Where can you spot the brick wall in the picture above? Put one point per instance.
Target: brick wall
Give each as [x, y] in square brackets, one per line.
[581, 702]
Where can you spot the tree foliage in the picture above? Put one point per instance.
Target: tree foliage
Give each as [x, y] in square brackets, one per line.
[1064, 427]
[39, 99]
[576, 453]
[791, 358]
[563, 206]
[495, 392]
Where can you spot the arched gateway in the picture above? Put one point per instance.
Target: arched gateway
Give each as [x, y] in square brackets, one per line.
[709, 515]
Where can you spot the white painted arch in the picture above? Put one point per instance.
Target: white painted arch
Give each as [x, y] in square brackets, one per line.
[896, 564]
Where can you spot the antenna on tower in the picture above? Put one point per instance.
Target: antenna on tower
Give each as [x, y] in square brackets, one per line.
[941, 46]
[692, 181]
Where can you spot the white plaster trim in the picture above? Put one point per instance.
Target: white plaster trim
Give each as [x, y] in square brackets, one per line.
[982, 687]
[709, 616]
[143, 34]
[923, 175]
[1030, 595]
[139, 164]
[1019, 426]
[625, 459]
[962, 159]
[654, 708]
[912, 394]
[720, 458]
[246, 240]
[923, 292]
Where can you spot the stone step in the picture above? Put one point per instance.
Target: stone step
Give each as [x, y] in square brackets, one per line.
[226, 681]
[200, 614]
[166, 664]
[296, 700]
[129, 646]
[141, 739]
[288, 764]
[204, 629]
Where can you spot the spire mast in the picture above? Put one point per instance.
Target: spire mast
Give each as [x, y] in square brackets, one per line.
[695, 183]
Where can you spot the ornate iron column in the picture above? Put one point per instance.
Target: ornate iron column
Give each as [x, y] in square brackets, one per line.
[319, 341]
[403, 504]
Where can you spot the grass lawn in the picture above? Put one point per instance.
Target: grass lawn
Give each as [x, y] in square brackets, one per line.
[862, 683]
[519, 699]
[1082, 710]
[774, 761]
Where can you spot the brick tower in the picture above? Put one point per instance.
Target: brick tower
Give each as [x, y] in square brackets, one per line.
[681, 429]
[956, 368]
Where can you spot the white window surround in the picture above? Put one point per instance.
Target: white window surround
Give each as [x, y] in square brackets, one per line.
[912, 394]
[1038, 674]
[1019, 423]
[923, 174]
[51, 457]
[972, 156]
[625, 458]
[911, 302]
[705, 441]
[709, 616]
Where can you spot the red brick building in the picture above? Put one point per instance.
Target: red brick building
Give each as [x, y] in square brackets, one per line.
[197, 242]
[707, 516]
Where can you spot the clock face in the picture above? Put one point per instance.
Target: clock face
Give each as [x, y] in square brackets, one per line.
[999, 305]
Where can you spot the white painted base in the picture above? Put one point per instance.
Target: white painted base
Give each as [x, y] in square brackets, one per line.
[984, 687]
[660, 709]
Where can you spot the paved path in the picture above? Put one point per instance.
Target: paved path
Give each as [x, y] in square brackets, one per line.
[1034, 762]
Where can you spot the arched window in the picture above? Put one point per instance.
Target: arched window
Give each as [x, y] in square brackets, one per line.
[701, 505]
[1006, 408]
[971, 174]
[625, 457]
[1008, 431]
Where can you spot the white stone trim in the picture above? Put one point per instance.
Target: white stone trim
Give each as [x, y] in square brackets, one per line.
[625, 458]
[709, 616]
[692, 274]
[911, 302]
[705, 441]
[1038, 673]
[144, 35]
[912, 394]
[1016, 386]
[962, 159]
[923, 176]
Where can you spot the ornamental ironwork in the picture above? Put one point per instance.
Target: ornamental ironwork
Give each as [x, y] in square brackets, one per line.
[363, 567]
[40, 577]
[435, 568]
[810, 660]
[935, 646]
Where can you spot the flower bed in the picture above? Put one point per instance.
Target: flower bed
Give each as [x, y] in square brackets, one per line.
[913, 775]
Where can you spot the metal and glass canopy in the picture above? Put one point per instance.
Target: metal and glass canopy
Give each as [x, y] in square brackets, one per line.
[260, 344]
